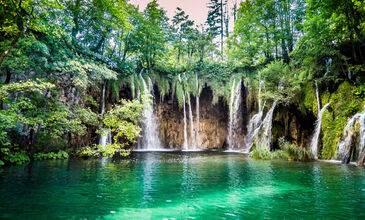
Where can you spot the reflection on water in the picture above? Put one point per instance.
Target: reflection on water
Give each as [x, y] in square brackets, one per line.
[181, 186]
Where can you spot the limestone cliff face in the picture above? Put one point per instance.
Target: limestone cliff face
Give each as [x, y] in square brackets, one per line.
[290, 123]
[213, 121]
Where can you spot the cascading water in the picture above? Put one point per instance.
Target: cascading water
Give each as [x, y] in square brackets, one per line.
[348, 134]
[185, 127]
[192, 133]
[197, 111]
[317, 132]
[185, 145]
[328, 65]
[266, 137]
[254, 124]
[104, 139]
[150, 135]
[234, 115]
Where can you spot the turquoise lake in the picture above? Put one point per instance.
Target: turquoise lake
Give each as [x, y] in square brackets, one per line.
[182, 186]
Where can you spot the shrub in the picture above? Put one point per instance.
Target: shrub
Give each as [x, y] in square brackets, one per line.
[294, 152]
[287, 151]
[261, 153]
[51, 155]
[280, 154]
[14, 157]
[88, 152]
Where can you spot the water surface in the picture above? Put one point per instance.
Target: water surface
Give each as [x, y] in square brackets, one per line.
[181, 186]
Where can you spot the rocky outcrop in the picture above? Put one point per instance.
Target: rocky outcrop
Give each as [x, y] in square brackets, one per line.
[212, 123]
[290, 123]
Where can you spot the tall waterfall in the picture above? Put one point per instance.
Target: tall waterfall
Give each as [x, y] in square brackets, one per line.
[266, 137]
[317, 132]
[185, 127]
[255, 123]
[192, 133]
[234, 115]
[197, 141]
[150, 135]
[344, 144]
[104, 139]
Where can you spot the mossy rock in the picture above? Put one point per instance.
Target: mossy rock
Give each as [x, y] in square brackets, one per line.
[343, 105]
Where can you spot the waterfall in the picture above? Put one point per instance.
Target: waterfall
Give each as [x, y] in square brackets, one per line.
[254, 123]
[314, 142]
[265, 140]
[197, 111]
[185, 127]
[192, 133]
[328, 65]
[234, 115]
[150, 134]
[104, 139]
[348, 134]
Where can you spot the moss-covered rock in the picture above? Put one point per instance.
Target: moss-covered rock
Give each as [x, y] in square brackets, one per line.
[344, 103]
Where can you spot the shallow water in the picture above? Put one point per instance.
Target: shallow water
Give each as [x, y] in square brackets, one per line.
[182, 186]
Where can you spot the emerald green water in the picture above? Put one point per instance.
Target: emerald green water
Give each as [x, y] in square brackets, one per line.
[182, 186]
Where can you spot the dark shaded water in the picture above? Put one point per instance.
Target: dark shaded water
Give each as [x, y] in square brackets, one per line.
[182, 186]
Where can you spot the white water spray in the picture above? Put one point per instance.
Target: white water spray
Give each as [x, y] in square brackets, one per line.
[317, 132]
[192, 133]
[185, 127]
[197, 111]
[104, 139]
[150, 135]
[255, 123]
[266, 137]
[234, 107]
[347, 134]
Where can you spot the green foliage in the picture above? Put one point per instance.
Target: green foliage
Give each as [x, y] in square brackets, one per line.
[293, 152]
[287, 151]
[1, 163]
[280, 83]
[51, 155]
[261, 153]
[344, 104]
[88, 152]
[123, 121]
[14, 157]
[111, 149]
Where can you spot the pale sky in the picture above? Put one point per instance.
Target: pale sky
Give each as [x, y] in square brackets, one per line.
[196, 9]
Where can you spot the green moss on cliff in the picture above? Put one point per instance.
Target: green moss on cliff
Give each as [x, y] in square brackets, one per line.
[343, 105]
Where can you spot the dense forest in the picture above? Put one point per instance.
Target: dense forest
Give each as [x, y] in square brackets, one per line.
[72, 71]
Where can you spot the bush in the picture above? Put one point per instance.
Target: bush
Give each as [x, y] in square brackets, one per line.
[287, 151]
[51, 156]
[14, 157]
[111, 149]
[280, 154]
[261, 154]
[294, 152]
[88, 152]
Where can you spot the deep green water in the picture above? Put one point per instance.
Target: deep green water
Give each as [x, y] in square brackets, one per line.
[182, 186]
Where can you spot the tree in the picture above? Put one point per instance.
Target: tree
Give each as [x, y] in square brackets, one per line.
[21, 17]
[215, 20]
[151, 34]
